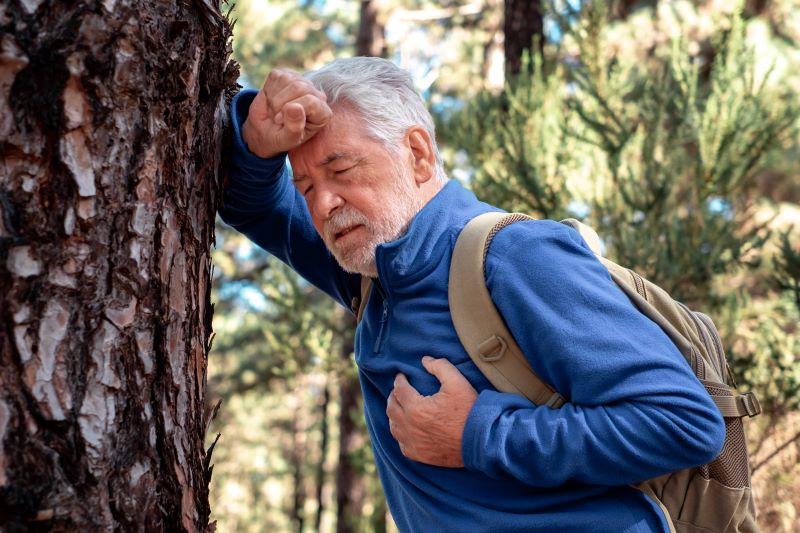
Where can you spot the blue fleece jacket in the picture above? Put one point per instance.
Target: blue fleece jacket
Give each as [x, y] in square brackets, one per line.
[634, 409]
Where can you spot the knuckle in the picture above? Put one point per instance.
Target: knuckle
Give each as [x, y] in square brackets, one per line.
[441, 363]
[300, 86]
[309, 101]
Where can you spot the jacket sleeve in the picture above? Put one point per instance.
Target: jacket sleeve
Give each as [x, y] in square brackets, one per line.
[634, 408]
[260, 201]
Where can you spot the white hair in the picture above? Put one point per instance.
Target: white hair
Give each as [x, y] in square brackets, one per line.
[384, 97]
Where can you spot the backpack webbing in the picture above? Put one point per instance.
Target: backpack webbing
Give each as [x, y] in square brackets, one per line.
[480, 327]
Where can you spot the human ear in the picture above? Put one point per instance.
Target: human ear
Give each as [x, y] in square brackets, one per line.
[424, 159]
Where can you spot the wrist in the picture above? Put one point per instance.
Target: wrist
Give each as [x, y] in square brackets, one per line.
[249, 137]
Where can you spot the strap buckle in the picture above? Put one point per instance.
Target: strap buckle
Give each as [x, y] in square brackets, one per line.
[492, 349]
[749, 404]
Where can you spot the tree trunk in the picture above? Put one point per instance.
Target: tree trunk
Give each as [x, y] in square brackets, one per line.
[349, 481]
[524, 20]
[620, 9]
[370, 40]
[378, 518]
[755, 8]
[296, 458]
[325, 401]
[111, 119]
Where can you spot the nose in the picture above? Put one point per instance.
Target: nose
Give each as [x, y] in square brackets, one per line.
[326, 202]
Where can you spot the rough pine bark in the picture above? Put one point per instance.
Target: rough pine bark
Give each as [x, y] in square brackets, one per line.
[524, 19]
[111, 123]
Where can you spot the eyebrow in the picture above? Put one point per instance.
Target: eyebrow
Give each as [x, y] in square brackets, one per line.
[333, 156]
[330, 158]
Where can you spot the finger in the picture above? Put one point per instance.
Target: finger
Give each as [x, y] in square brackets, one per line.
[290, 134]
[259, 110]
[278, 79]
[294, 89]
[274, 83]
[393, 407]
[404, 450]
[294, 118]
[443, 370]
[318, 114]
[403, 392]
[394, 412]
[392, 424]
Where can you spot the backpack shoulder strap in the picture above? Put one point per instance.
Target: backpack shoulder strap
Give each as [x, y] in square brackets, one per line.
[589, 235]
[359, 303]
[480, 327]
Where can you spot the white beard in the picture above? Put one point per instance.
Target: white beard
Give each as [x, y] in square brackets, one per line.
[358, 256]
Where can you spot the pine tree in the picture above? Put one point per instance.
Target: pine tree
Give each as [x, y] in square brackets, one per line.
[111, 124]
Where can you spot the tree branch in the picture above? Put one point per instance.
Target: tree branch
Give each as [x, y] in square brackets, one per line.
[775, 452]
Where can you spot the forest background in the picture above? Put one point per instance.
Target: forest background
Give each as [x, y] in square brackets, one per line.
[670, 126]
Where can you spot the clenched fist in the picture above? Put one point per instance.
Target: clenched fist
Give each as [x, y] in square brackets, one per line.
[285, 113]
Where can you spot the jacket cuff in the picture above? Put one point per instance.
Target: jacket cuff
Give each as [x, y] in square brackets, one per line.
[479, 441]
[240, 107]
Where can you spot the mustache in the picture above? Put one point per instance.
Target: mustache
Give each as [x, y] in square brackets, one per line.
[342, 219]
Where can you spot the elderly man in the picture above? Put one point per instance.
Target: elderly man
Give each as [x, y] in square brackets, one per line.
[368, 196]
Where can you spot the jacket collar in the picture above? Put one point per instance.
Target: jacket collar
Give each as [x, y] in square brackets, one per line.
[429, 239]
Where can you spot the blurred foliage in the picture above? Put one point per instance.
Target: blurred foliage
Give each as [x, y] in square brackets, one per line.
[296, 34]
[655, 157]
[674, 133]
[517, 139]
[670, 126]
[277, 365]
[269, 323]
[787, 268]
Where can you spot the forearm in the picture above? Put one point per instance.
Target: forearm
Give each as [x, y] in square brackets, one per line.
[260, 201]
[255, 184]
[634, 410]
[608, 445]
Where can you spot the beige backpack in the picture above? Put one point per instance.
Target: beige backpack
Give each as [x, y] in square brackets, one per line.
[712, 498]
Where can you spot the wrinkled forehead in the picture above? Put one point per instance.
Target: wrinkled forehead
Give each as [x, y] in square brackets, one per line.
[346, 132]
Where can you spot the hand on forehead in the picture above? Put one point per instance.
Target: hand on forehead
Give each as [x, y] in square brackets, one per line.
[286, 112]
[285, 86]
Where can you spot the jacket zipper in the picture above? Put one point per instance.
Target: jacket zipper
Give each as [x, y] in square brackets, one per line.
[384, 318]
